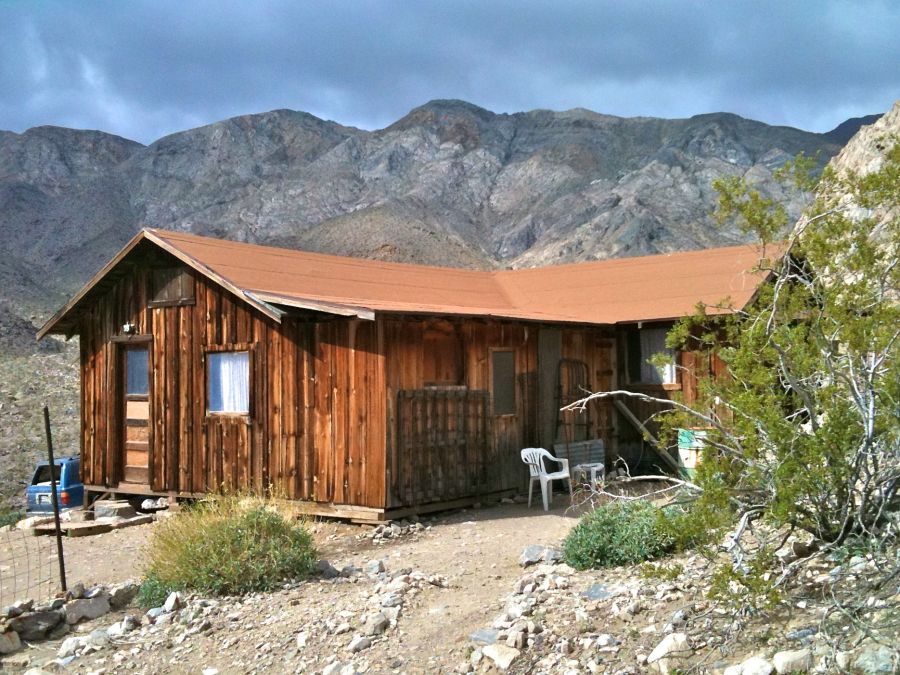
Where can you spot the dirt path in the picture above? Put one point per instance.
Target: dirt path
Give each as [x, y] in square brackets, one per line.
[476, 550]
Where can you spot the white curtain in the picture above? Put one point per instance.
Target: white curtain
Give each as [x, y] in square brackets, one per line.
[229, 382]
[653, 341]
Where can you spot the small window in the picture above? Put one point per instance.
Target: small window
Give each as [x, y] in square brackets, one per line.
[643, 345]
[229, 382]
[172, 286]
[503, 375]
[137, 372]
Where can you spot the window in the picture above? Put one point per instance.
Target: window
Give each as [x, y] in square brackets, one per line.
[643, 345]
[503, 378]
[229, 382]
[137, 372]
[172, 286]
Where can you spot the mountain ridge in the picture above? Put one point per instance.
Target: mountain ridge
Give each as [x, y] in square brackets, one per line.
[450, 182]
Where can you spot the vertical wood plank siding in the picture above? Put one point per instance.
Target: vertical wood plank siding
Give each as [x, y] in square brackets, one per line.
[316, 429]
[325, 396]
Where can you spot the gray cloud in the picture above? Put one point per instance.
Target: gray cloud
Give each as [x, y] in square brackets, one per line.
[146, 68]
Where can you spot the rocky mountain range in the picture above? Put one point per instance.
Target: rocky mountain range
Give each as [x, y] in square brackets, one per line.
[450, 183]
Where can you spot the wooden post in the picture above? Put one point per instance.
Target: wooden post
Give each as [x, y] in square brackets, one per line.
[55, 501]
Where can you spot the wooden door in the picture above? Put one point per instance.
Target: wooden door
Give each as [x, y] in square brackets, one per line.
[136, 415]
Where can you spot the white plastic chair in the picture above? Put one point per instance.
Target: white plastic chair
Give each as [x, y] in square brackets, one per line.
[534, 458]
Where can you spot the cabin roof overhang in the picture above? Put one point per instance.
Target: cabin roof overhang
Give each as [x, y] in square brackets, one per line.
[610, 292]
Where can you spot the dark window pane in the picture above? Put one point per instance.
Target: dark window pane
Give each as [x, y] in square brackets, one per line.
[137, 370]
[504, 383]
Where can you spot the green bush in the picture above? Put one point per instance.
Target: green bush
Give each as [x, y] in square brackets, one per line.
[618, 533]
[227, 546]
[10, 516]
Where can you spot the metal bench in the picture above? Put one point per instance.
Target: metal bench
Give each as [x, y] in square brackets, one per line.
[586, 459]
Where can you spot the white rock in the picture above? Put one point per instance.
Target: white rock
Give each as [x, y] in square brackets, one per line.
[358, 644]
[672, 648]
[302, 637]
[174, 602]
[332, 668]
[796, 661]
[501, 655]
[70, 646]
[756, 665]
[210, 671]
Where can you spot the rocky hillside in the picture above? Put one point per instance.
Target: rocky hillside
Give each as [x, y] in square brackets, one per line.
[449, 183]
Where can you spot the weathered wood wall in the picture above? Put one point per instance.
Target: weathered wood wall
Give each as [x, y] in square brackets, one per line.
[409, 361]
[314, 430]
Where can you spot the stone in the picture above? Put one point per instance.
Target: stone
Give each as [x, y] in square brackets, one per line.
[70, 646]
[107, 508]
[794, 661]
[374, 567]
[122, 595]
[98, 638]
[531, 555]
[76, 592]
[484, 636]
[326, 570]
[376, 624]
[33, 626]
[596, 592]
[10, 642]
[605, 640]
[174, 602]
[874, 659]
[86, 608]
[302, 638]
[501, 655]
[756, 665]
[391, 600]
[663, 659]
[358, 644]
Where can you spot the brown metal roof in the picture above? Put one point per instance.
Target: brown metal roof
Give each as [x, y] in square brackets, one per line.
[603, 292]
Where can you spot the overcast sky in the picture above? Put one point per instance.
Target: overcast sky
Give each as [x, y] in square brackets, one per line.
[143, 69]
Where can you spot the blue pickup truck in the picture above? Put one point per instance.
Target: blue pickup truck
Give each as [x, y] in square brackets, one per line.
[69, 488]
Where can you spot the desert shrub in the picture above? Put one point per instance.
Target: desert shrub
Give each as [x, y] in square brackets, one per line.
[227, 546]
[10, 516]
[618, 533]
[153, 592]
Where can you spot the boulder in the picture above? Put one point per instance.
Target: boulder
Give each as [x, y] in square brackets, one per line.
[755, 665]
[10, 642]
[33, 626]
[794, 661]
[86, 608]
[326, 570]
[121, 595]
[531, 555]
[70, 646]
[358, 644]
[875, 659]
[376, 624]
[665, 657]
[501, 655]
[107, 508]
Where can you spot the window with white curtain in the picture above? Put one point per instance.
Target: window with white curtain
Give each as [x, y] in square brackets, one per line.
[653, 342]
[229, 382]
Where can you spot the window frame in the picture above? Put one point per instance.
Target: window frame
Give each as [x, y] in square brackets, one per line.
[515, 397]
[632, 336]
[250, 349]
[184, 299]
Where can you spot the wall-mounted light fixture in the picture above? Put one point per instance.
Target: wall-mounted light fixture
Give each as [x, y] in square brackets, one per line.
[129, 329]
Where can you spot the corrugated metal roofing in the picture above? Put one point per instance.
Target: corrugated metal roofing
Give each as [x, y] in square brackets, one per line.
[603, 292]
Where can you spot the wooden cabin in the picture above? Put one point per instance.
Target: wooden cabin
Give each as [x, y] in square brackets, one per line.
[364, 389]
